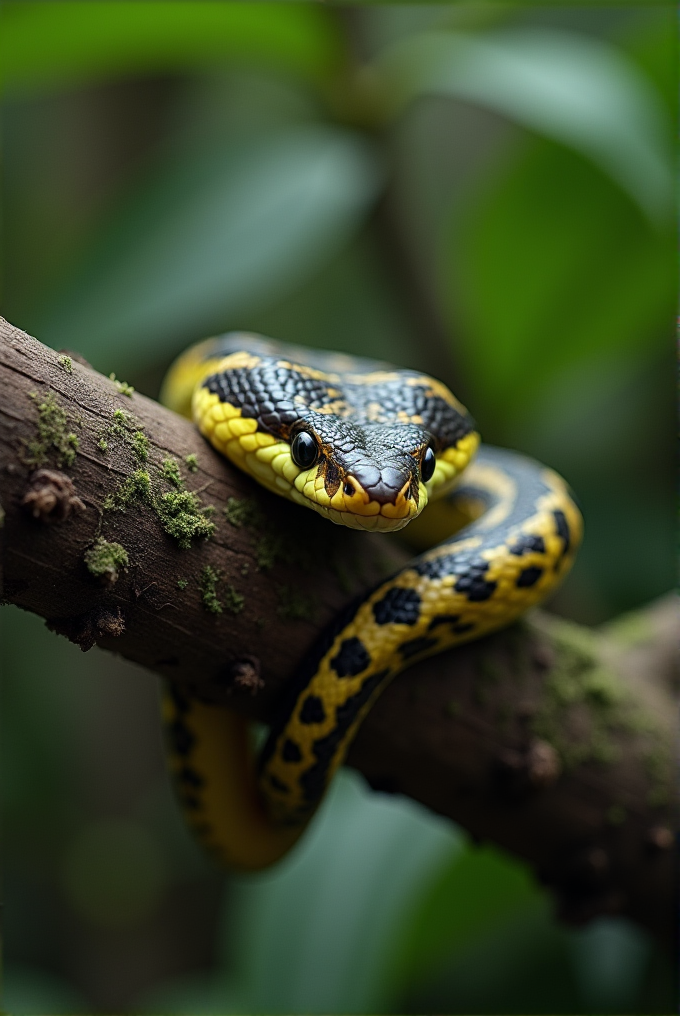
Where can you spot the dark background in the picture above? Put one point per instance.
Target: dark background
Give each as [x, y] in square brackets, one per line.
[482, 191]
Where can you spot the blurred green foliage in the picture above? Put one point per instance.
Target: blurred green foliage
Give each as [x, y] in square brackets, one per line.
[584, 238]
[483, 191]
[67, 43]
[205, 232]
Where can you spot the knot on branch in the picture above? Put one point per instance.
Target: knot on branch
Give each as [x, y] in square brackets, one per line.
[534, 768]
[245, 673]
[51, 496]
[105, 560]
[233, 679]
[85, 630]
[660, 838]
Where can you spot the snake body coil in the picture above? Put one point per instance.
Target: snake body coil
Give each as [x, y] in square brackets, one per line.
[367, 446]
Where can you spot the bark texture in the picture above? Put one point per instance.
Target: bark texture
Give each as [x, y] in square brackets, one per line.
[123, 528]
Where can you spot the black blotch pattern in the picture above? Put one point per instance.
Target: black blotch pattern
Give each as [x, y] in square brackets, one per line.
[460, 629]
[181, 738]
[309, 666]
[290, 751]
[351, 659]
[442, 619]
[473, 584]
[312, 710]
[278, 784]
[481, 591]
[180, 701]
[437, 567]
[313, 782]
[188, 777]
[463, 563]
[562, 527]
[189, 801]
[528, 577]
[419, 645]
[398, 606]
[527, 543]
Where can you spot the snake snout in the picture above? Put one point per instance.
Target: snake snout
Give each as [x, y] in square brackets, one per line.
[386, 484]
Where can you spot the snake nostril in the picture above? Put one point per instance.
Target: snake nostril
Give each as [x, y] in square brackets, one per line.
[349, 489]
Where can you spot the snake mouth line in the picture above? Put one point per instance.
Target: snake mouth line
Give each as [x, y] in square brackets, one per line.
[377, 521]
[351, 498]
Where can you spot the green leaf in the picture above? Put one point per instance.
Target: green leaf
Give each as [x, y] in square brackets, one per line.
[313, 935]
[475, 893]
[576, 90]
[30, 989]
[551, 265]
[216, 232]
[651, 41]
[55, 44]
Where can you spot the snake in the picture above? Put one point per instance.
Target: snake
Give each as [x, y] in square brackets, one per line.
[368, 446]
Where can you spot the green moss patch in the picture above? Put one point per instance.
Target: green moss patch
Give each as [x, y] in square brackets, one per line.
[269, 549]
[170, 472]
[580, 710]
[122, 386]
[66, 364]
[122, 423]
[139, 443]
[53, 434]
[232, 600]
[125, 428]
[585, 710]
[282, 546]
[180, 512]
[135, 490]
[191, 462]
[271, 545]
[182, 516]
[282, 543]
[631, 629]
[105, 560]
[209, 580]
[294, 604]
[182, 583]
[244, 513]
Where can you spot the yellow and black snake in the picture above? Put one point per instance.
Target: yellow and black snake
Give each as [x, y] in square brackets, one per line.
[366, 445]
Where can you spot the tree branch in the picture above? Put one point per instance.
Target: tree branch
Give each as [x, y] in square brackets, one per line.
[550, 739]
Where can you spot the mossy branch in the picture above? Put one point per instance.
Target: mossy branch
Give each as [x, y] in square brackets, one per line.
[550, 739]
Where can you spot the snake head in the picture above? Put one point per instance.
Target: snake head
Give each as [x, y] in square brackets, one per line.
[372, 477]
[365, 450]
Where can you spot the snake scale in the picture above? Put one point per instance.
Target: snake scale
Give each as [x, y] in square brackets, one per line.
[366, 445]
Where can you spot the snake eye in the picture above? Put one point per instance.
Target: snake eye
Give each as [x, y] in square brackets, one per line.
[427, 465]
[304, 450]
